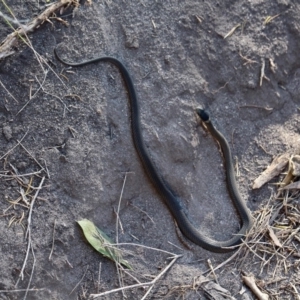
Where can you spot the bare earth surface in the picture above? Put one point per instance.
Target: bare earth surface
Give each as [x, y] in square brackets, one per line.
[75, 128]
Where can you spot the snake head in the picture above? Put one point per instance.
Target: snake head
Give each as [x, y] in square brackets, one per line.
[204, 116]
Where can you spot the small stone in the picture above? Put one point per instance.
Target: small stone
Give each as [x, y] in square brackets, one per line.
[63, 159]
[7, 132]
[132, 42]
[22, 165]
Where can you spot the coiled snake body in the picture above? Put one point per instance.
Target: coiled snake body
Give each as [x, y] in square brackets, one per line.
[172, 201]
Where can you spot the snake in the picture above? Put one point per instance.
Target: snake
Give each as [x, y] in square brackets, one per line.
[171, 199]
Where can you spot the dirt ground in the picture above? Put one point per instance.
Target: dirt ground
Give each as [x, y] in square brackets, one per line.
[71, 127]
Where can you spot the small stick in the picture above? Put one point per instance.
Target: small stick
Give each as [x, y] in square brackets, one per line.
[31, 155]
[212, 270]
[262, 72]
[256, 106]
[30, 279]
[223, 263]
[14, 146]
[28, 232]
[118, 221]
[62, 102]
[8, 90]
[47, 171]
[94, 296]
[21, 175]
[248, 60]
[52, 248]
[222, 87]
[295, 291]
[250, 282]
[175, 246]
[6, 48]
[118, 211]
[142, 212]
[32, 97]
[143, 246]
[99, 276]
[21, 290]
[148, 292]
[79, 281]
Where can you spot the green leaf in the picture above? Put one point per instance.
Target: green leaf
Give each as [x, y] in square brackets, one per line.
[101, 242]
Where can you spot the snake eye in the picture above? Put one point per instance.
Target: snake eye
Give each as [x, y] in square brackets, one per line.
[202, 114]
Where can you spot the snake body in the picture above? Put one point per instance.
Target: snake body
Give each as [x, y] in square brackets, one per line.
[172, 201]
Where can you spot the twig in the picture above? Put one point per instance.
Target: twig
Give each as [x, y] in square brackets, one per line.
[175, 246]
[148, 292]
[99, 276]
[22, 290]
[256, 106]
[8, 90]
[23, 30]
[248, 60]
[30, 279]
[14, 146]
[79, 281]
[262, 72]
[28, 232]
[297, 296]
[222, 87]
[118, 221]
[94, 296]
[62, 102]
[118, 211]
[31, 155]
[47, 171]
[212, 270]
[21, 175]
[52, 248]
[142, 212]
[250, 281]
[6, 48]
[223, 263]
[32, 97]
[142, 246]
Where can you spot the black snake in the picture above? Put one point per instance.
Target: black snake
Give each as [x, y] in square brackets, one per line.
[170, 198]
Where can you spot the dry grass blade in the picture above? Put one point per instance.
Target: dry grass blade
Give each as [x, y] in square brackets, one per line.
[230, 33]
[269, 19]
[273, 243]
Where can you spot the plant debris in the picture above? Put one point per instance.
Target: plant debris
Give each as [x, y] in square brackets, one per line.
[101, 242]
